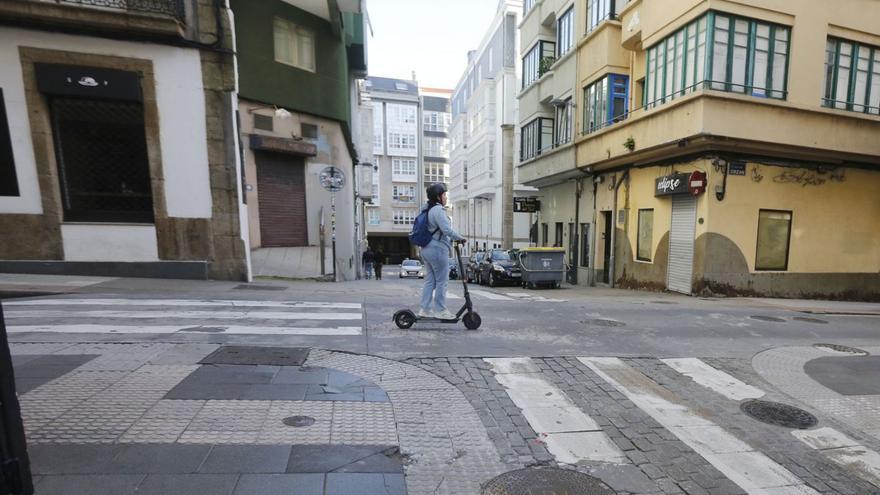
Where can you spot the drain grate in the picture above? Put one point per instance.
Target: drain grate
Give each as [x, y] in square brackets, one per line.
[807, 319]
[546, 481]
[602, 322]
[299, 421]
[841, 348]
[775, 413]
[767, 318]
[258, 287]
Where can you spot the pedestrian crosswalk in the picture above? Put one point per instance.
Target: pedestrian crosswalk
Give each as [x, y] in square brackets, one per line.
[572, 436]
[184, 316]
[502, 296]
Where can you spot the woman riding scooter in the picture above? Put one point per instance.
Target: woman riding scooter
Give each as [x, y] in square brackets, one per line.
[435, 255]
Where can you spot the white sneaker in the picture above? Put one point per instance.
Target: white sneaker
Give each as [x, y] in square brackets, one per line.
[425, 314]
[444, 315]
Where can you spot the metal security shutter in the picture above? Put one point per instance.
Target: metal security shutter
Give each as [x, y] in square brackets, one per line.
[681, 244]
[282, 197]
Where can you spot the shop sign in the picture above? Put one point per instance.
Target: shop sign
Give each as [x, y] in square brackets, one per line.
[89, 82]
[668, 185]
[283, 145]
[697, 183]
[526, 205]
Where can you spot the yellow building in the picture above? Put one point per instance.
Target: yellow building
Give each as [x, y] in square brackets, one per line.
[776, 105]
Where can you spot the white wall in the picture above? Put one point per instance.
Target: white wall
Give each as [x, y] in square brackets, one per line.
[180, 100]
[109, 242]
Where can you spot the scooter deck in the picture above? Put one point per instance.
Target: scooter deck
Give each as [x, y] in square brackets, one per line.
[431, 318]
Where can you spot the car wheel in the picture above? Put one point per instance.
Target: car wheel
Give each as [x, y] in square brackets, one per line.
[492, 280]
[401, 276]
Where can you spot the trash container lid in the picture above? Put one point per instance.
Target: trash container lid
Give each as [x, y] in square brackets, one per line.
[544, 249]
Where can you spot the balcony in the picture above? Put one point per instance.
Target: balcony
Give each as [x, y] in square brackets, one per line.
[153, 18]
[630, 19]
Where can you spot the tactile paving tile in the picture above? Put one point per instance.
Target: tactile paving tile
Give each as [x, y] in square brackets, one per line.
[363, 423]
[274, 431]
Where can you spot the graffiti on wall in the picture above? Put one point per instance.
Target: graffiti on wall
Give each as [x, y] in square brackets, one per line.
[806, 177]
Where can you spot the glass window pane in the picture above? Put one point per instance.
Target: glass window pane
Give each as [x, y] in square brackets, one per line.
[740, 54]
[677, 83]
[645, 235]
[874, 98]
[774, 229]
[690, 59]
[762, 53]
[669, 89]
[719, 54]
[830, 49]
[780, 57]
[862, 62]
[844, 66]
[701, 51]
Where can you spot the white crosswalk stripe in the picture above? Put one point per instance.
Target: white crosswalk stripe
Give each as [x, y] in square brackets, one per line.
[714, 379]
[491, 295]
[126, 316]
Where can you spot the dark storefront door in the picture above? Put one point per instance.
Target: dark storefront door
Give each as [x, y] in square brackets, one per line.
[282, 197]
[15, 475]
[606, 238]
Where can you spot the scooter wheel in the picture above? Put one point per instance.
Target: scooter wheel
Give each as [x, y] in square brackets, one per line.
[404, 319]
[472, 320]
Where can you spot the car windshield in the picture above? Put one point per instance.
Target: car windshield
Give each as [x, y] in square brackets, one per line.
[499, 255]
[411, 263]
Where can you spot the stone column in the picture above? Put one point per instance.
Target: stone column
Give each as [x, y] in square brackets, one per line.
[507, 144]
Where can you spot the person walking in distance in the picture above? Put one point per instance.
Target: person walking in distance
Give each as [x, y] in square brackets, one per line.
[367, 259]
[378, 261]
[435, 256]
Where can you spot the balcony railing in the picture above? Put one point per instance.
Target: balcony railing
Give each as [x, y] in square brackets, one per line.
[173, 8]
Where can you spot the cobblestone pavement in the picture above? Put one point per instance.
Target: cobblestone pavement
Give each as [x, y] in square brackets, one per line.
[100, 418]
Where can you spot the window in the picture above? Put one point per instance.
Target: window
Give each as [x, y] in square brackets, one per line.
[527, 5]
[401, 86]
[401, 141]
[375, 191]
[600, 10]
[403, 169]
[565, 33]
[436, 172]
[263, 122]
[544, 234]
[563, 123]
[373, 218]
[294, 45]
[537, 61]
[645, 239]
[101, 152]
[403, 193]
[852, 76]
[743, 56]
[436, 146]
[585, 245]
[558, 242]
[437, 121]
[605, 102]
[535, 137]
[404, 217]
[774, 236]
[8, 180]
[378, 129]
[309, 131]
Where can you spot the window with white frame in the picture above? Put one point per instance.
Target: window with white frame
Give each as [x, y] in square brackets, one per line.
[403, 169]
[436, 146]
[436, 172]
[403, 193]
[404, 217]
[378, 129]
[373, 217]
[852, 76]
[565, 32]
[527, 5]
[599, 11]
[294, 45]
[375, 190]
[437, 121]
[563, 123]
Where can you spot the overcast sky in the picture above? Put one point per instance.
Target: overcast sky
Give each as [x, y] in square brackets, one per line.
[426, 36]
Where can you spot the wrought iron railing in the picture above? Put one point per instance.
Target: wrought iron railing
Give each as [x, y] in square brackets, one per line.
[174, 8]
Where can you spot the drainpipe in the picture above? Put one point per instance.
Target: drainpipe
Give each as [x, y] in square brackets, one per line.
[612, 261]
[593, 240]
[578, 190]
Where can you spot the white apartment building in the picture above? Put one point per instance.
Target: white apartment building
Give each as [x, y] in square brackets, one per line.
[436, 122]
[483, 177]
[396, 158]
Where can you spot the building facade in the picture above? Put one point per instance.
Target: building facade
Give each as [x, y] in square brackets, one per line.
[396, 155]
[299, 66]
[118, 140]
[483, 178]
[549, 33]
[732, 147]
[436, 121]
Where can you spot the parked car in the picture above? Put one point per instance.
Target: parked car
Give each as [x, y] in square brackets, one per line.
[473, 266]
[497, 268]
[412, 268]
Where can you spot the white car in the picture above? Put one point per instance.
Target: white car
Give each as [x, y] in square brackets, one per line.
[412, 268]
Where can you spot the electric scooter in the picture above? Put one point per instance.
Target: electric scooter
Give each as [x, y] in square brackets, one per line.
[405, 318]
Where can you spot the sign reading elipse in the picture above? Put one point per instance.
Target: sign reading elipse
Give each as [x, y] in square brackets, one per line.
[668, 185]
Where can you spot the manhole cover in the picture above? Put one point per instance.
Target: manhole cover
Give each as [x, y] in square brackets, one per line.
[809, 320]
[258, 287]
[250, 355]
[546, 481]
[767, 318]
[299, 421]
[601, 322]
[841, 348]
[778, 414]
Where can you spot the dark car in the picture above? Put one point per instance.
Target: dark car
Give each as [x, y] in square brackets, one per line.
[473, 266]
[497, 268]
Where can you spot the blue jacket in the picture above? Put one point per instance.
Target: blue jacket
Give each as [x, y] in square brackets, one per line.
[437, 220]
